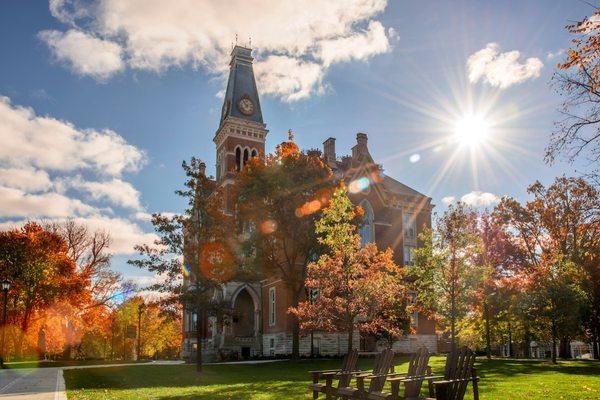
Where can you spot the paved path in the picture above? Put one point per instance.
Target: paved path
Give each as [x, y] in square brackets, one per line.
[47, 383]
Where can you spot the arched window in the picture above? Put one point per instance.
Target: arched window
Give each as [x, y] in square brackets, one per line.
[246, 155]
[367, 228]
[238, 158]
[254, 153]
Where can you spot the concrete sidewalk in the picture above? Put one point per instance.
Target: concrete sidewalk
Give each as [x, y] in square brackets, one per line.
[47, 383]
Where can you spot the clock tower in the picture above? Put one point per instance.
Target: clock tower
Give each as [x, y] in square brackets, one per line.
[242, 132]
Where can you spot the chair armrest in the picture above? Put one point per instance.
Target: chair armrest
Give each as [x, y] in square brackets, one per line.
[449, 381]
[323, 371]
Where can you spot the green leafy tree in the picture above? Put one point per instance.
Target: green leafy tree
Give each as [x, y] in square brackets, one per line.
[202, 237]
[445, 274]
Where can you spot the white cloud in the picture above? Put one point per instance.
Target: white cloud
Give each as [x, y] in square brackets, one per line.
[501, 69]
[47, 143]
[551, 55]
[480, 199]
[85, 54]
[33, 146]
[116, 191]
[358, 46]
[155, 35]
[289, 77]
[448, 200]
[17, 203]
[27, 179]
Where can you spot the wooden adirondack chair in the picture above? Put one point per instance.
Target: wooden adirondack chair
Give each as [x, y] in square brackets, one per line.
[458, 373]
[343, 375]
[418, 371]
[377, 377]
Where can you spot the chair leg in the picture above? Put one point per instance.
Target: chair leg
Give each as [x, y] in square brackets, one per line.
[475, 387]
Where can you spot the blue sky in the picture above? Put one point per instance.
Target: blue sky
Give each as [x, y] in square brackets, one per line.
[396, 70]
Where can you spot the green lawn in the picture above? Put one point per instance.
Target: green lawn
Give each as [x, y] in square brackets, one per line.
[500, 379]
[64, 363]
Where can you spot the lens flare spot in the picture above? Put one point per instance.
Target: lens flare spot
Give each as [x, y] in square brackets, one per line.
[359, 185]
[308, 208]
[415, 158]
[186, 270]
[269, 226]
[216, 261]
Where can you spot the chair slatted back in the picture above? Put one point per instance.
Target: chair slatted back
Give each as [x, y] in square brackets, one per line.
[417, 367]
[382, 366]
[459, 365]
[348, 365]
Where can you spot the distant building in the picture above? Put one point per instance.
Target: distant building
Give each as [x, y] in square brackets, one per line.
[394, 216]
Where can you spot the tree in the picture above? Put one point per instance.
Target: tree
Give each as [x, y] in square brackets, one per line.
[357, 287]
[201, 238]
[497, 259]
[578, 80]
[42, 274]
[558, 233]
[90, 251]
[445, 274]
[277, 201]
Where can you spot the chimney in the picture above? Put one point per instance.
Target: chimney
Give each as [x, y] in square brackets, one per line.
[361, 139]
[202, 168]
[329, 149]
[361, 145]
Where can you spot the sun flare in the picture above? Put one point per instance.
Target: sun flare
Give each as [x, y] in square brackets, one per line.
[471, 130]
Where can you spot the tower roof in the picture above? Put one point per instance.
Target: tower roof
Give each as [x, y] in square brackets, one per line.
[241, 97]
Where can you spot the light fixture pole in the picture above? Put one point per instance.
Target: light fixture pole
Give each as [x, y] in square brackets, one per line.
[5, 287]
[141, 308]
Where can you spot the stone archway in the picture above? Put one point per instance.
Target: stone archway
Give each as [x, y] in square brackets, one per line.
[244, 314]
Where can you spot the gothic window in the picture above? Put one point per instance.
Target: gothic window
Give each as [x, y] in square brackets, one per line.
[367, 229]
[238, 158]
[271, 306]
[254, 153]
[409, 226]
[246, 155]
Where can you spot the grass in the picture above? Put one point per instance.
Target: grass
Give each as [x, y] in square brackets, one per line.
[64, 363]
[500, 379]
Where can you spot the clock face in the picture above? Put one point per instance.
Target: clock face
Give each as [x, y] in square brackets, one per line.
[246, 106]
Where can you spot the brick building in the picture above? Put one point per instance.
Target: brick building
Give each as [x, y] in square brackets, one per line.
[394, 216]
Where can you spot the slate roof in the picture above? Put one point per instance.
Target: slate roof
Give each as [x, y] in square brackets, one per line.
[241, 83]
[399, 188]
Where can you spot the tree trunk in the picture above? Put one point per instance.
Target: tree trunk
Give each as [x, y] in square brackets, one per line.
[527, 341]
[595, 344]
[350, 337]
[553, 342]
[564, 347]
[198, 341]
[510, 340]
[488, 341]
[295, 328]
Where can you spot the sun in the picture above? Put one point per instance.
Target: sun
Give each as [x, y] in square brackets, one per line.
[471, 130]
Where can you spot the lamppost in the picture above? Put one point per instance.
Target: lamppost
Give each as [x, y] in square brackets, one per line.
[141, 308]
[5, 287]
